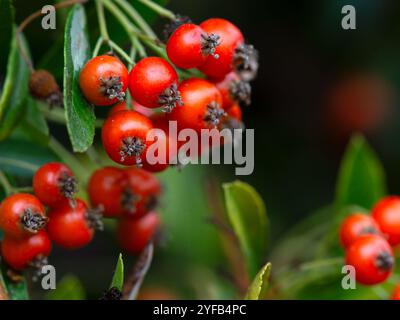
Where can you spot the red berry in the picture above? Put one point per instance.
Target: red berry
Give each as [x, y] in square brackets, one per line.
[141, 194]
[233, 90]
[396, 293]
[121, 106]
[124, 137]
[105, 190]
[189, 46]
[22, 214]
[28, 251]
[54, 183]
[73, 227]
[103, 80]
[356, 225]
[235, 112]
[387, 214]
[230, 38]
[372, 258]
[134, 234]
[202, 105]
[153, 82]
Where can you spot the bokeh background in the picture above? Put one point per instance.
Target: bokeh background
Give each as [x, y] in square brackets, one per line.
[317, 85]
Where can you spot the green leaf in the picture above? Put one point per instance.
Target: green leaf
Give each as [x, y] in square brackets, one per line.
[79, 114]
[33, 126]
[6, 32]
[248, 217]
[15, 90]
[14, 290]
[361, 178]
[69, 288]
[21, 157]
[118, 278]
[259, 284]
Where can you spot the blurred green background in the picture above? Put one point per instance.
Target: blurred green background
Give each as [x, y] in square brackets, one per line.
[317, 84]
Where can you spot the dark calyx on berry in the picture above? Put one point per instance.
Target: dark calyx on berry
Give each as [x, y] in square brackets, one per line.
[245, 62]
[369, 230]
[170, 98]
[174, 24]
[112, 294]
[37, 264]
[384, 261]
[209, 43]
[94, 218]
[129, 200]
[111, 87]
[132, 147]
[68, 185]
[43, 86]
[240, 91]
[33, 221]
[214, 114]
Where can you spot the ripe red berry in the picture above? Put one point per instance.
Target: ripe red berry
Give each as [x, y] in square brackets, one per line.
[396, 293]
[103, 80]
[105, 189]
[202, 105]
[54, 183]
[387, 214]
[121, 106]
[235, 112]
[22, 214]
[124, 137]
[356, 225]
[73, 227]
[153, 82]
[134, 234]
[189, 46]
[372, 258]
[28, 251]
[141, 194]
[230, 38]
[233, 90]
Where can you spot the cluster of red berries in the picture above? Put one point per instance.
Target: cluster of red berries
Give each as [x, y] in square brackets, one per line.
[131, 195]
[53, 214]
[216, 47]
[368, 241]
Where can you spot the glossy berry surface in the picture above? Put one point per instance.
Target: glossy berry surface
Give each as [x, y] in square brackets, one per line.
[134, 234]
[189, 46]
[356, 225]
[103, 80]
[124, 137]
[23, 252]
[105, 190]
[230, 38]
[202, 105]
[22, 214]
[387, 214]
[372, 258]
[54, 183]
[153, 83]
[72, 227]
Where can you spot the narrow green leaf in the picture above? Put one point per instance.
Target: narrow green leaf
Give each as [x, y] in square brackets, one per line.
[361, 177]
[68, 288]
[15, 90]
[118, 278]
[33, 125]
[17, 290]
[6, 31]
[259, 284]
[79, 114]
[248, 217]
